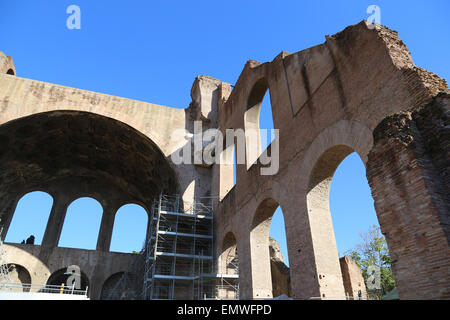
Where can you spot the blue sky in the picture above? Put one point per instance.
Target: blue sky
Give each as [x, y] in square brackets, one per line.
[153, 50]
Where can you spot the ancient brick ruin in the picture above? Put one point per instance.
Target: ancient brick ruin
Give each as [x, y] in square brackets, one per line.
[359, 91]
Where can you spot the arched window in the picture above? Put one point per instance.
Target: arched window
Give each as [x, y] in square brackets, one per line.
[356, 229]
[11, 72]
[228, 162]
[279, 258]
[130, 229]
[30, 218]
[340, 208]
[271, 273]
[258, 120]
[266, 122]
[351, 203]
[81, 224]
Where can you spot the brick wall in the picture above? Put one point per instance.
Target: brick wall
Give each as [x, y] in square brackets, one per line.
[408, 171]
[353, 278]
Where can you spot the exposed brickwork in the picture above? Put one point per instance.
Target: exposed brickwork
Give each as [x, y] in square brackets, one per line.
[408, 174]
[353, 278]
[326, 101]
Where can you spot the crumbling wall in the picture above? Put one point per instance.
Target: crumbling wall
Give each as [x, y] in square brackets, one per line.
[6, 64]
[354, 285]
[408, 172]
[281, 280]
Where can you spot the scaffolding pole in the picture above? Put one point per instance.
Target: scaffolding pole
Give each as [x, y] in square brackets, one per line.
[5, 268]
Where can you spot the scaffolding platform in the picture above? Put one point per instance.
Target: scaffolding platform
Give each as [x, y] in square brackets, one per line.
[179, 261]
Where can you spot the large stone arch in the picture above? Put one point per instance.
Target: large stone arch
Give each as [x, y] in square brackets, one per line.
[71, 154]
[109, 285]
[321, 160]
[259, 248]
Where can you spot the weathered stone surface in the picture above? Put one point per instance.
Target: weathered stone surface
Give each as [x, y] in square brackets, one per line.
[408, 172]
[6, 64]
[281, 282]
[353, 279]
[327, 102]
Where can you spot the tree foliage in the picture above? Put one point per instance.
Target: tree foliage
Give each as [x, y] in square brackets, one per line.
[373, 251]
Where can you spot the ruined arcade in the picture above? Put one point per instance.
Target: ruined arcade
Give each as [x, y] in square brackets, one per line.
[359, 91]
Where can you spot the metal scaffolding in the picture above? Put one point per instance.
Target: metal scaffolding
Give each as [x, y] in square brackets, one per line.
[177, 260]
[179, 252]
[5, 268]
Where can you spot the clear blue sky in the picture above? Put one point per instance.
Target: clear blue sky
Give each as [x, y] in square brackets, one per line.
[153, 50]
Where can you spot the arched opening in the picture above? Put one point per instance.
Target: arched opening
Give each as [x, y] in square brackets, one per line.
[108, 289]
[266, 122]
[264, 286]
[81, 224]
[356, 228]
[351, 203]
[334, 274]
[75, 154]
[130, 228]
[279, 259]
[30, 218]
[258, 116]
[11, 72]
[65, 277]
[18, 276]
[229, 268]
[227, 168]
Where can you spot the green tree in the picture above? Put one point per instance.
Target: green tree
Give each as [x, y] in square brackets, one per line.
[373, 251]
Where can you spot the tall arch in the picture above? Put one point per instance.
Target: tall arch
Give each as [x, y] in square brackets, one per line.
[259, 249]
[323, 157]
[252, 121]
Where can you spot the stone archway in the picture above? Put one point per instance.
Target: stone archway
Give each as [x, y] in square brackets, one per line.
[61, 278]
[74, 154]
[19, 276]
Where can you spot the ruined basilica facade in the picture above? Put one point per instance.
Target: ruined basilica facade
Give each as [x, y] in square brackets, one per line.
[359, 91]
